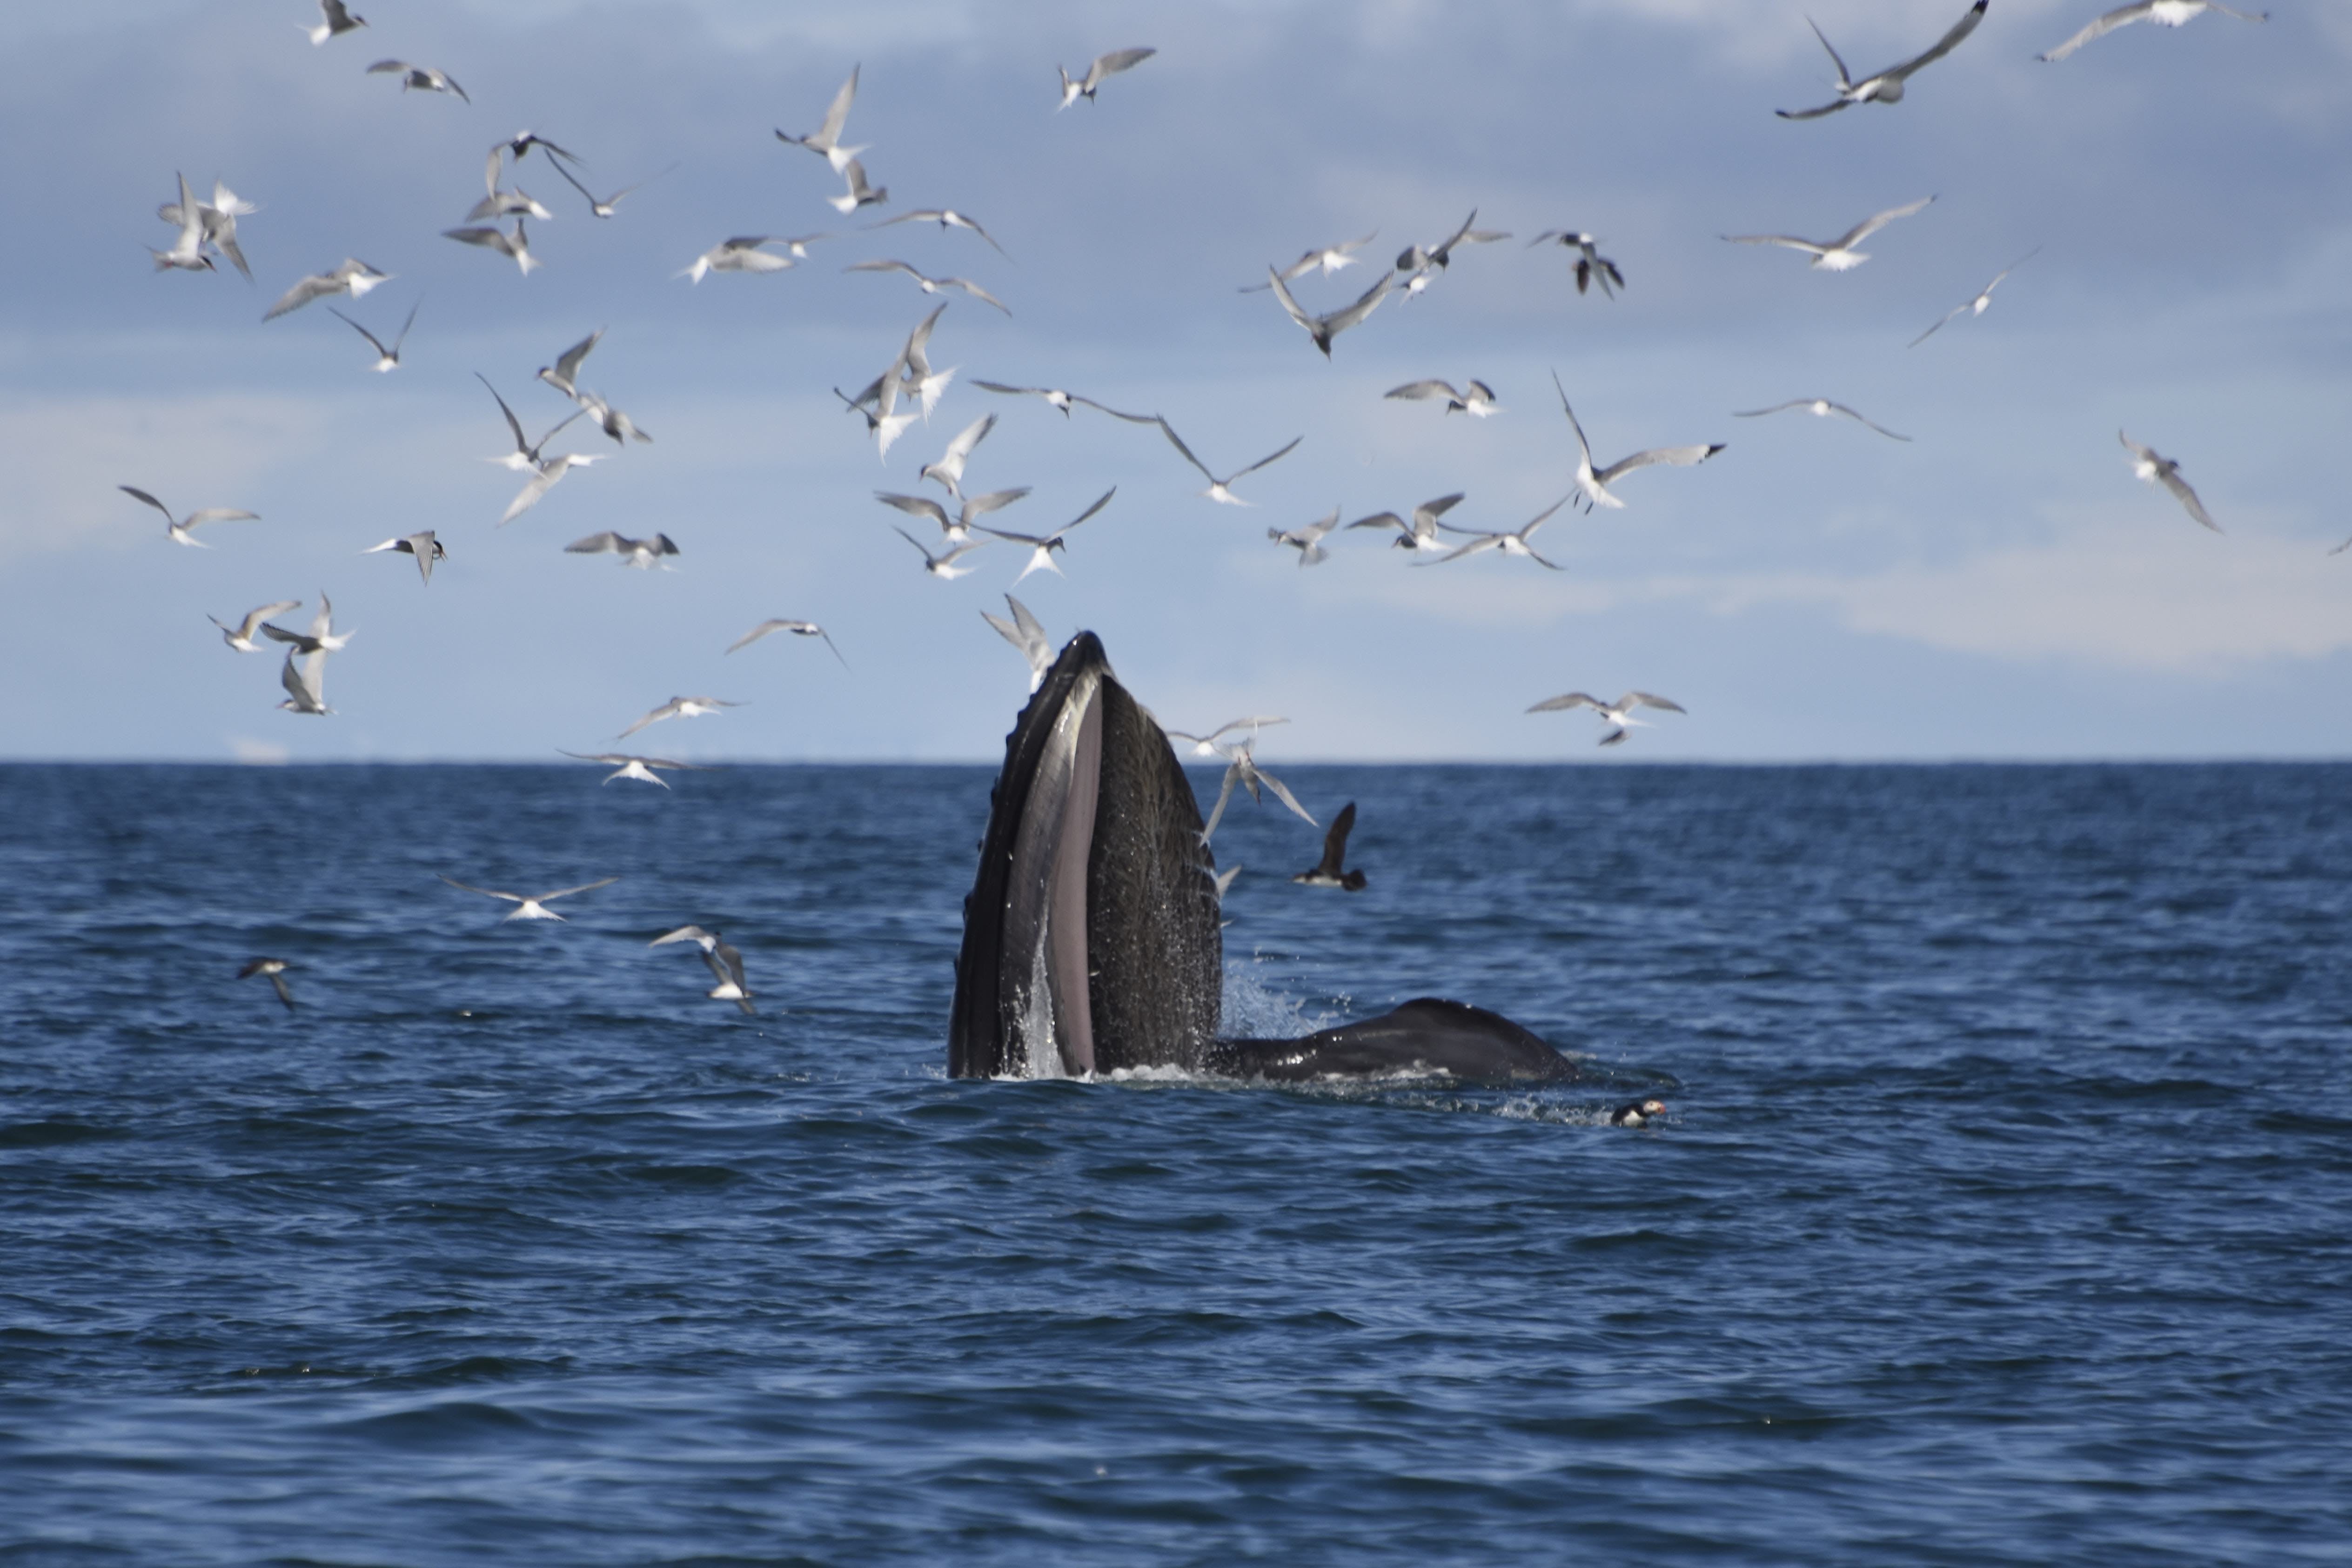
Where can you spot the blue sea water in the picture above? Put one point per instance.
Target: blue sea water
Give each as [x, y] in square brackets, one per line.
[2003, 1216]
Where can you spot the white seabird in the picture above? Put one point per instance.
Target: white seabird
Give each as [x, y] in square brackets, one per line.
[1308, 538]
[386, 359]
[241, 636]
[1886, 85]
[1478, 399]
[1330, 258]
[1104, 66]
[2164, 471]
[1595, 484]
[678, 708]
[947, 218]
[627, 766]
[1821, 408]
[529, 906]
[1219, 489]
[335, 19]
[418, 79]
[515, 245]
[1043, 545]
[798, 628]
[1027, 633]
[422, 546]
[929, 284]
[640, 554]
[177, 529]
[1837, 255]
[744, 253]
[826, 140]
[2163, 13]
[726, 963]
[1618, 715]
[1324, 327]
[958, 529]
[942, 565]
[949, 469]
[321, 637]
[859, 194]
[1981, 303]
[1591, 267]
[1514, 542]
[1420, 532]
[354, 277]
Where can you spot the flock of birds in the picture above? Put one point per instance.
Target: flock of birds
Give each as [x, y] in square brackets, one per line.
[909, 387]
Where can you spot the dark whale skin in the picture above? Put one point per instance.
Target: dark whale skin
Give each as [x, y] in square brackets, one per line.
[1426, 1036]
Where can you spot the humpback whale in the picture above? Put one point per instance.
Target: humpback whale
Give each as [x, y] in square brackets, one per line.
[1091, 941]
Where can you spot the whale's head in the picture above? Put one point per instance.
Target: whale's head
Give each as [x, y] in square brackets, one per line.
[1090, 938]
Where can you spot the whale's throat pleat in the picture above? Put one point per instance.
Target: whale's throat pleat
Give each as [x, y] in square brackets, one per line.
[1042, 958]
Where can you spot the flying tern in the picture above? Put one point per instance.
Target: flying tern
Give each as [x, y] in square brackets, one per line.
[928, 284]
[1056, 398]
[1330, 258]
[798, 628]
[1110, 65]
[336, 19]
[1308, 538]
[859, 194]
[678, 708]
[627, 766]
[1420, 532]
[1478, 399]
[1618, 715]
[177, 529]
[418, 79]
[949, 469]
[422, 546]
[1326, 872]
[1043, 545]
[1837, 255]
[1418, 262]
[517, 203]
[1240, 768]
[744, 253]
[947, 218]
[944, 564]
[1324, 327]
[565, 371]
[187, 252]
[2164, 471]
[515, 245]
[547, 477]
[525, 458]
[638, 553]
[304, 678]
[1821, 408]
[1981, 303]
[529, 906]
[1514, 542]
[1206, 745]
[241, 636]
[200, 224]
[275, 968]
[1886, 86]
[609, 419]
[726, 963]
[386, 359]
[1026, 633]
[2163, 13]
[958, 529]
[1595, 484]
[826, 140]
[1219, 489]
[1591, 267]
[321, 637]
[354, 277]
[604, 206]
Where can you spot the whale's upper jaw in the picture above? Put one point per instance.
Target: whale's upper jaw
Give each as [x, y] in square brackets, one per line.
[1090, 938]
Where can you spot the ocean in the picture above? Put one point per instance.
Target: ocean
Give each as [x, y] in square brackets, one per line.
[2002, 1213]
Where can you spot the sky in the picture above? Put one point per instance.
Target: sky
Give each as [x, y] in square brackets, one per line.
[1999, 586]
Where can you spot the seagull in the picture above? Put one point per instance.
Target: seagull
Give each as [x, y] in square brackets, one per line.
[386, 359]
[1477, 401]
[942, 565]
[798, 628]
[1886, 86]
[726, 963]
[859, 194]
[2163, 13]
[1206, 745]
[354, 277]
[958, 529]
[603, 207]
[1218, 489]
[549, 475]
[1420, 533]
[524, 459]
[638, 553]
[1618, 715]
[422, 546]
[1326, 872]
[566, 368]
[1025, 632]
[1042, 546]
[947, 218]
[1819, 408]
[1307, 540]
[276, 969]
[1331, 260]
[1242, 768]
[1981, 303]
[420, 79]
[1513, 544]
[625, 766]
[320, 638]
[1595, 486]
[1056, 398]
[241, 636]
[949, 469]
[1324, 327]
[1591, 267]
[609, 419]
[2164, 471]
[826, 140]
[337, 20]
[1637, 1113]
[677, 707]
[1108, 65]
[515, 245]
[306, 685]
[530, 906]
[931, 285]
[744, 253]
[187, 252]
[176, 529]
[1418, 262]
[1838, 255]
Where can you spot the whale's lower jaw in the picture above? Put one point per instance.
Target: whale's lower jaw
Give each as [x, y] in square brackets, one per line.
[1425, 1037]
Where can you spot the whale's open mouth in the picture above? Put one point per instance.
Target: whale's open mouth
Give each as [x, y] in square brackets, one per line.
[1090, 938]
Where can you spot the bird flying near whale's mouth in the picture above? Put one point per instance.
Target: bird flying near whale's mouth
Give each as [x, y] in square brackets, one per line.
[1091, 941]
